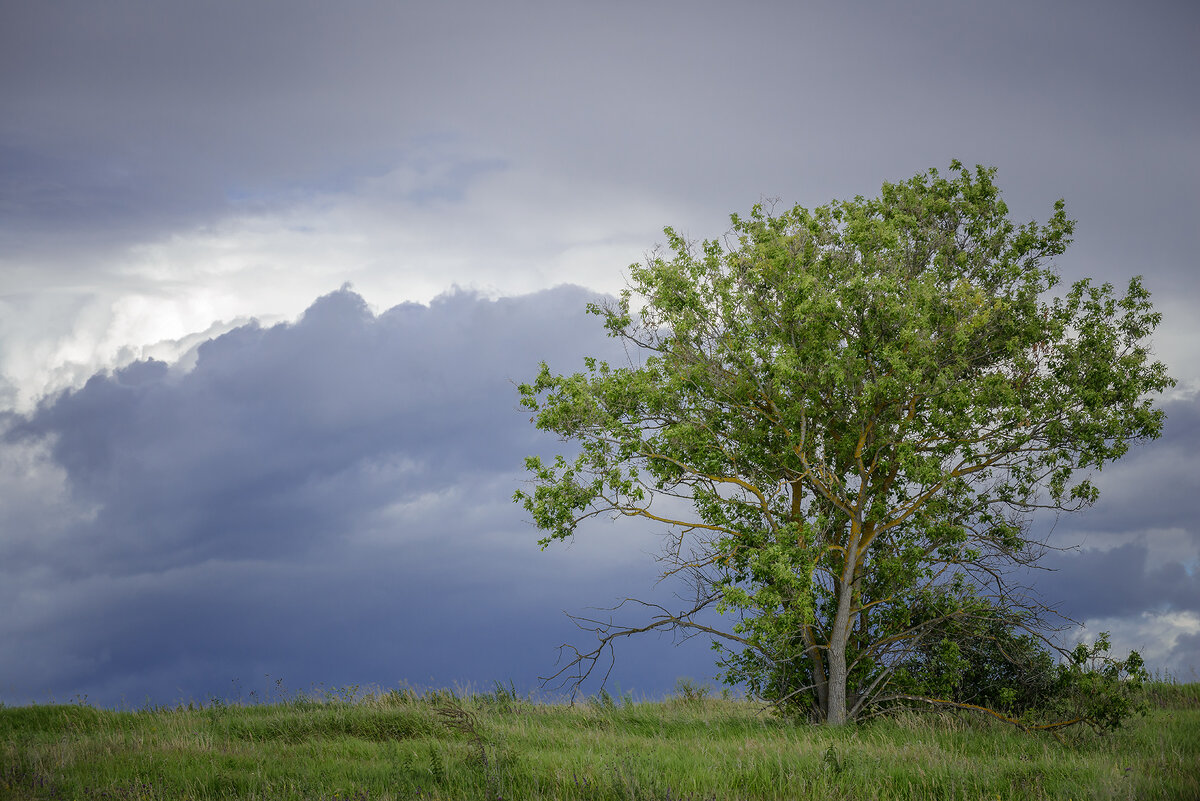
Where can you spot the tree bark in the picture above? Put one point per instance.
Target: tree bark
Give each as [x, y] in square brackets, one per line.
[820, 676]
[835, 711]
[835, 707]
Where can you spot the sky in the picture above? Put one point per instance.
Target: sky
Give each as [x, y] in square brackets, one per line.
[269, 272]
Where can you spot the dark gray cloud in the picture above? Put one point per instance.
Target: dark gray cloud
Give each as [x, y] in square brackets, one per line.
[328, 501]
[1119, 582]
[1138, 549]
[1148, 487]
[325, 501]
[1186, 654]
[222, 448]
[1130, 564]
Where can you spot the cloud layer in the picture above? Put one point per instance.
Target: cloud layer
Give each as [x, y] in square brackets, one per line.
[164, 168]
[329, 501]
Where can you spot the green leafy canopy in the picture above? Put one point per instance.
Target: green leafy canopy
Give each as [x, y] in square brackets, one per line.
[834, 413]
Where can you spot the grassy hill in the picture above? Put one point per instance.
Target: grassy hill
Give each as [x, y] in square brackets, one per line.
[353, 746]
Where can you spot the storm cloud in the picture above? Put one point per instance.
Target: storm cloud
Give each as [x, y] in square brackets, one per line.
[326, 501]
[329, 502]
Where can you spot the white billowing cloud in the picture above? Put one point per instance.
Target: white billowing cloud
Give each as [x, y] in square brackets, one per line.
[53, 341]
[510, 233]
[147, 181]
[405, 234]
[496, 231]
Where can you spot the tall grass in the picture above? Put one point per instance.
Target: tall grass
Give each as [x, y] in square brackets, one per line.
[403, 745]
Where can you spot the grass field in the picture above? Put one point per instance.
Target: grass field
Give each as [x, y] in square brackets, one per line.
[352, 746]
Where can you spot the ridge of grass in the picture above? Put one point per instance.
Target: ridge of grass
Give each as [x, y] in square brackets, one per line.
[380, 746]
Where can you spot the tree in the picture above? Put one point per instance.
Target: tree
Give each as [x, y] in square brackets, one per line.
[843, 420]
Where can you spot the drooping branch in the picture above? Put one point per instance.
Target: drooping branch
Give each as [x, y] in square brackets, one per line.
[1052, 728]
[580, 665]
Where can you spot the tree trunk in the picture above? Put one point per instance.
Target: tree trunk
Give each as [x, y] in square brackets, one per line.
[835, 709]
[820, 675]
